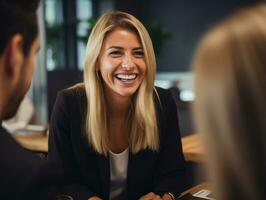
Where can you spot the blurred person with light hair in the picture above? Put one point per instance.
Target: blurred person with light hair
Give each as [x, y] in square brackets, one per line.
[230, 105]
[117, 134]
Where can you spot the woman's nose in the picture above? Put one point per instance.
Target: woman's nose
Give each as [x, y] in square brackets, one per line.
[127, 63]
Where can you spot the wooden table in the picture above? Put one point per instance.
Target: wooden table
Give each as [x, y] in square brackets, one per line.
[39, 143]
[192, 148]
[36, 142]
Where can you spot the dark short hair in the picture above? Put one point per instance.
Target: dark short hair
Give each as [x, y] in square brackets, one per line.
[18, 16]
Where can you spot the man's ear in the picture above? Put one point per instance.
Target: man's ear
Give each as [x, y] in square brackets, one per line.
[14, 54]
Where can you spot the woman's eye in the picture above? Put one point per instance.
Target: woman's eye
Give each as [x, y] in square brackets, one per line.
[139, 54]
[115, 53]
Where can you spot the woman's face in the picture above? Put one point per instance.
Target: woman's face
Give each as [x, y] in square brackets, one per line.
[121, 63]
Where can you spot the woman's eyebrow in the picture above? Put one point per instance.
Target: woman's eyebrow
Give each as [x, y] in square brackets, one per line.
[114, 47]
[138, 48]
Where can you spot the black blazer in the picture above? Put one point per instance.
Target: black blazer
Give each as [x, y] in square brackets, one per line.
[148, 171]
[24, 175]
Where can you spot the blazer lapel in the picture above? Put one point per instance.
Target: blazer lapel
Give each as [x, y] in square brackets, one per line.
[104, 166]
[132, 176]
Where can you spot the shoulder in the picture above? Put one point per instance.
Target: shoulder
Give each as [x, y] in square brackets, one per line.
[162, 93]
[163, 97]
[71, 101]
[75, 90]
[6, 139]
[11, 149]
[73, 93]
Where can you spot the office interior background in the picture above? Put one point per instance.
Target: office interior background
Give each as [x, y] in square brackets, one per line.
[174, 25]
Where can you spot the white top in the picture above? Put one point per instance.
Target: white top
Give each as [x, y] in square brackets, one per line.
[118, 174]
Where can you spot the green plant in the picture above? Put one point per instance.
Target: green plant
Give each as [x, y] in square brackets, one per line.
[158, 35]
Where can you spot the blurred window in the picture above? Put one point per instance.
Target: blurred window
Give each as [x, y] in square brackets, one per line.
[68, 25]
[85, 19]
[55, 58]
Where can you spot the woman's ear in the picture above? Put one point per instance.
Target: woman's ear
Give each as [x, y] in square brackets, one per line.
[97, 65]
[14, 55]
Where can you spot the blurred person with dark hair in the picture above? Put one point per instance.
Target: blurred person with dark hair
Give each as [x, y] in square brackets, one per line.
[23, 175]
[230, 110]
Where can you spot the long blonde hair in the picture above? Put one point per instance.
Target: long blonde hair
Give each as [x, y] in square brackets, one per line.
[143, 131]
[230, 105]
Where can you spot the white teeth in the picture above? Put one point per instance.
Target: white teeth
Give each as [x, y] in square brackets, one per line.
[126, 76]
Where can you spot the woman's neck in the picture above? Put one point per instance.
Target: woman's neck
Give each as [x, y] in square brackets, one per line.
[118, 108]
[117, 105]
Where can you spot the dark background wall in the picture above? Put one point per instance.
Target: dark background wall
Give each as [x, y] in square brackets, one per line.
[186, 20]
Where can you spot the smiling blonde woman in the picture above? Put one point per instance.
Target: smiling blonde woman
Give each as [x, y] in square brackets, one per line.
[116, 134]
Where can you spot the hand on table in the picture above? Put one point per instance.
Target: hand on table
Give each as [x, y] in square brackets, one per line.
[94, 198]
[167, 197]
[151, 196]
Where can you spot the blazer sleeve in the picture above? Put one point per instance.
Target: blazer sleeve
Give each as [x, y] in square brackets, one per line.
[60, 149]
[171, 163]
